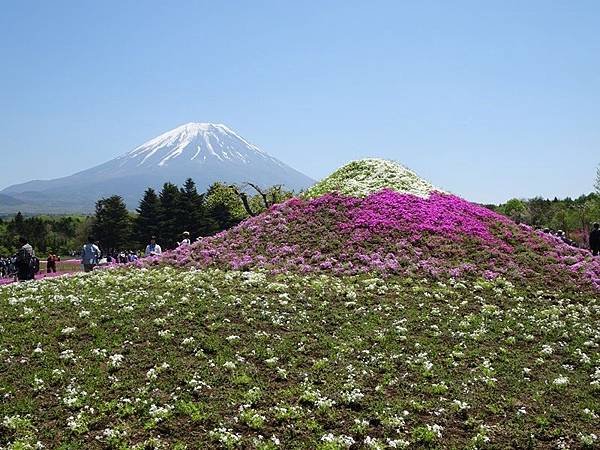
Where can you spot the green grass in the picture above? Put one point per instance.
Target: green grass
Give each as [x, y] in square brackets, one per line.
[178, 359]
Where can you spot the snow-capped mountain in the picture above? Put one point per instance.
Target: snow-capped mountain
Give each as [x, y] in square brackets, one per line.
[204, 152]
[198, 142]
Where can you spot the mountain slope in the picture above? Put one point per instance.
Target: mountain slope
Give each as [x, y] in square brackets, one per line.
[205, 152]
[7, 200]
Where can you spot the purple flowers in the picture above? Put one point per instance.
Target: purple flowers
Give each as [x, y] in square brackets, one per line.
[389, 232]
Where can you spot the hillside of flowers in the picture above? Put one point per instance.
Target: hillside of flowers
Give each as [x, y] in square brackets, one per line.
[368, 176]
[183, 359]
[394, 318]
[440, 236]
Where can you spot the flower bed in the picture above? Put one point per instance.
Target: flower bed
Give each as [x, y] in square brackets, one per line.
[175, 359]
[368, 176]
[388, 232]
[39, 276]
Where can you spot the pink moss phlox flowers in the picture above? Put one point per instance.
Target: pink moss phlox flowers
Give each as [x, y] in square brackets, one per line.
[392, 233]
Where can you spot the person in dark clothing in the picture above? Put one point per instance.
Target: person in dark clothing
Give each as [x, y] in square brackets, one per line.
[24, 260]
[51, 263]
[595, 239]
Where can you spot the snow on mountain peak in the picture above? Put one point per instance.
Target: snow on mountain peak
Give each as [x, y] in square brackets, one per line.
[199, 142]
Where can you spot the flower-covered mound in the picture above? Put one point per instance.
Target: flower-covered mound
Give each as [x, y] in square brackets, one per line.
[367, 176]
[176, 359]
[441, 236]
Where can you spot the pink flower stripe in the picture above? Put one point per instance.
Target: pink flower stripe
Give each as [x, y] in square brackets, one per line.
[39, 276]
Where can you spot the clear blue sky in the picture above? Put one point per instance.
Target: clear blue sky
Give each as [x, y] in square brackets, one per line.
[490, 100]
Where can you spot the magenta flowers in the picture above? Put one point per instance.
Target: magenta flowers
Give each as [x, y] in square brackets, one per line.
[388, 232]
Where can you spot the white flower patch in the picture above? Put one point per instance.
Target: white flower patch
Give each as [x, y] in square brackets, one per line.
[547, 349]
[116, 360]
[230, 365]
[73, 396]
[272, 361]
[197, 384]
[159, 413]
[165, 334]
[78, 424]
[38, 384]
[110, 434]
[397, 443]
[367, 176]
[67, 355]
[341, 440]
[459, 405]
[588, 440]
[560, 381]
[188, 341]
[225, 436]
[353, 396]
[436, 429]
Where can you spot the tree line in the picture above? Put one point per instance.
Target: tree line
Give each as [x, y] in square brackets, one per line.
[172, 210]
[165, 214]
[46, 233]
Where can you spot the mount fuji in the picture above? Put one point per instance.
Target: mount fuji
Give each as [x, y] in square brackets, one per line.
[205, 152]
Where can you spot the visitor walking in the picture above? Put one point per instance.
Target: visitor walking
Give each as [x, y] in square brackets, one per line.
[153, 249]
[595, 239]
[51, 263]
[90, 255]
[24, 261]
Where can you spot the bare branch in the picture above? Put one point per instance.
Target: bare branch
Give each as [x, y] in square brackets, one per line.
[261, 193]
[244, 197]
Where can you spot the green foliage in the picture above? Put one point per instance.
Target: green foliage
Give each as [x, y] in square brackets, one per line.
[193, 217]
[168, 213]
[165, 215]
[146, 223]
[112, 224]
[515, 209]
[47, 234]
[224, 207]
[574, 216]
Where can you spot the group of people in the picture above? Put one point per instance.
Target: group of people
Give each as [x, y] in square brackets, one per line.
[23, 265]
[91, 255]
[7, 267]
[560, 234]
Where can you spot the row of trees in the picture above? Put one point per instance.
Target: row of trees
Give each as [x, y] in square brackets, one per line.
[164, 214]
[47, 234]
[573, 216]
[173, 210]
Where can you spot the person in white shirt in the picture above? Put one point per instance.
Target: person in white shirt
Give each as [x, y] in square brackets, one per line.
[153, 249]
[90, 255]
[186, 239]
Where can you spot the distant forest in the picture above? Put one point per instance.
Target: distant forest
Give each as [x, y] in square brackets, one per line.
[172, 210]
[573, 216]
